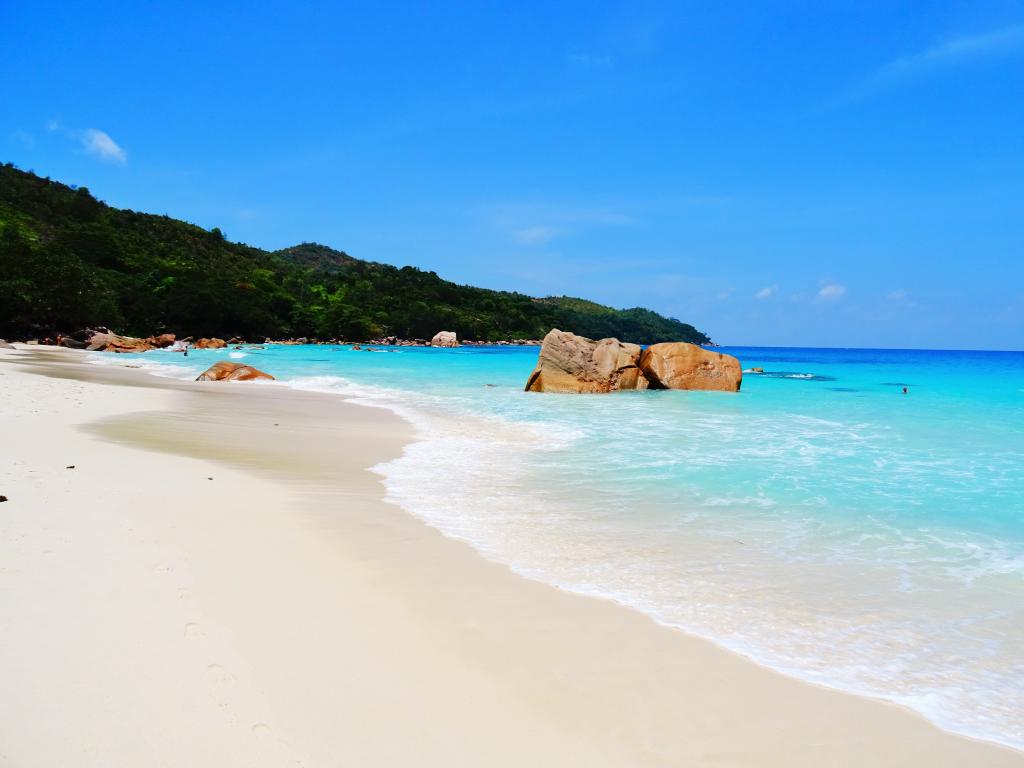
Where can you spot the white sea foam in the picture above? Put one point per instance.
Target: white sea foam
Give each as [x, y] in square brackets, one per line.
[148, 364]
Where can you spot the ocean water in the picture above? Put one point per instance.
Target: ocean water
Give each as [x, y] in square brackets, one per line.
[820, 522]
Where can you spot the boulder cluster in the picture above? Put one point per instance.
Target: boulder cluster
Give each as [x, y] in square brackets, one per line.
[569, 363]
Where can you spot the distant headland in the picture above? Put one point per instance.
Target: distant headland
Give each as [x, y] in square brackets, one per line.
[69, 261]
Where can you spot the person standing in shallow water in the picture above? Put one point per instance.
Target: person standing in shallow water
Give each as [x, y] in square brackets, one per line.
[906, 391]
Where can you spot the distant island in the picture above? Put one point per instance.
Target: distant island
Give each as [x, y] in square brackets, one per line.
[69, 261]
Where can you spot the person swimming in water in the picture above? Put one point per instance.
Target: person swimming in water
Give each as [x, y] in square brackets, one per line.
[906, 391]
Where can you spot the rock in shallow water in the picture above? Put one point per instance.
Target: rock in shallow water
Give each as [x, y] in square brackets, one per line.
[227, 371]
[575, 364]
[214, 343]
[678, 365]
[444, 339]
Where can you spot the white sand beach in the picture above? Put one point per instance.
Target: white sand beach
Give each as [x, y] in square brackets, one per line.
[218, 582]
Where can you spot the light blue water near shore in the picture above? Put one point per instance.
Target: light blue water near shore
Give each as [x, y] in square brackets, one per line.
[820, 521]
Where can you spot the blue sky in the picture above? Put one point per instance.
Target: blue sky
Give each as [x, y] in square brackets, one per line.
[801, 173]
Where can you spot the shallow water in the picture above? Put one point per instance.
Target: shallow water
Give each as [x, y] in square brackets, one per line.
[820, 521]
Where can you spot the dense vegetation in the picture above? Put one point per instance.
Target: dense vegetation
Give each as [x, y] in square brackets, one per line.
[69, 261]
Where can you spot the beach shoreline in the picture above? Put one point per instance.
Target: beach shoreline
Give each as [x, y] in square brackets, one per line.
[306, 619]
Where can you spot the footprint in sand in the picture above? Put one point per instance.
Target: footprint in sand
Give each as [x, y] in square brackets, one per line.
[219, 675]
[262, 730]
[193, 630]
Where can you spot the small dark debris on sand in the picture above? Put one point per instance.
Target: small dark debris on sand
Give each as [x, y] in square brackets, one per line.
[70, 466]
[3, 498]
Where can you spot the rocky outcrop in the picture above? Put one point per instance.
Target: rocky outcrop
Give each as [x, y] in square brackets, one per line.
[209, 343]
[111, 342]
[162, 341]
[678, 365]
[444, 339]
[72, 343]
[574, 364]
[5, 345]
[228, 371]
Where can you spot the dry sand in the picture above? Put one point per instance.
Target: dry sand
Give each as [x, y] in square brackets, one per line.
[281, 613]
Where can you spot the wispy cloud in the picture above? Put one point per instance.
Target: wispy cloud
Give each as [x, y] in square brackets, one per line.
[767, 292]
[1000, 42]
[99, 144]
[25, 138]
[897, 295]
[831, 292]
[536, 224]
[536, 235]
[95, 142]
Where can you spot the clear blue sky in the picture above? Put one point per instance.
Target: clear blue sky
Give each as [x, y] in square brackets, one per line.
[801, 173]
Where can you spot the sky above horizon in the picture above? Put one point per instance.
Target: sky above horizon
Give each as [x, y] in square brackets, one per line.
[789, 173]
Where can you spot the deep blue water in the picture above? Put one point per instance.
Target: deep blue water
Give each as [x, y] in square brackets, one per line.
[820, 521]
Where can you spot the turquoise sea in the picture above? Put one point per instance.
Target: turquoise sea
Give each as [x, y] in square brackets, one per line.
[820, 521]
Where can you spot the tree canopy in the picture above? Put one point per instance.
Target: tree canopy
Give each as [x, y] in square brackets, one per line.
[69, 261]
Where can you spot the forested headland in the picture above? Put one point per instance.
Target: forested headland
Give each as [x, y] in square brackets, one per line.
[69, 261]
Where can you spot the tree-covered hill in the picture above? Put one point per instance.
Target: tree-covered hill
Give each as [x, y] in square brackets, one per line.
[69, 261]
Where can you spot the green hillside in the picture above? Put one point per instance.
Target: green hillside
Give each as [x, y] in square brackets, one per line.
[69, 261]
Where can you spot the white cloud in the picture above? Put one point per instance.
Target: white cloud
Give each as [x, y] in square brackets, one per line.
[767, 292]
[898, 295]
[831, 292]
[99, 144]
[95, 142]
[995, 43]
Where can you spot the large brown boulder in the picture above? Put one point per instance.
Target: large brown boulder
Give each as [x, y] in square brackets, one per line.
[571, 363]
[162, 341]
[209, 343]
[112, 342]
[678, 365]
[444, 339]
[228, 371]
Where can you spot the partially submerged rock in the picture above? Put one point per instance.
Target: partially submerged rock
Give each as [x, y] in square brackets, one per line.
[162, 341]
[228, 371]
[209, 343]
[575, 364]
[678, 365]
[444, 339]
